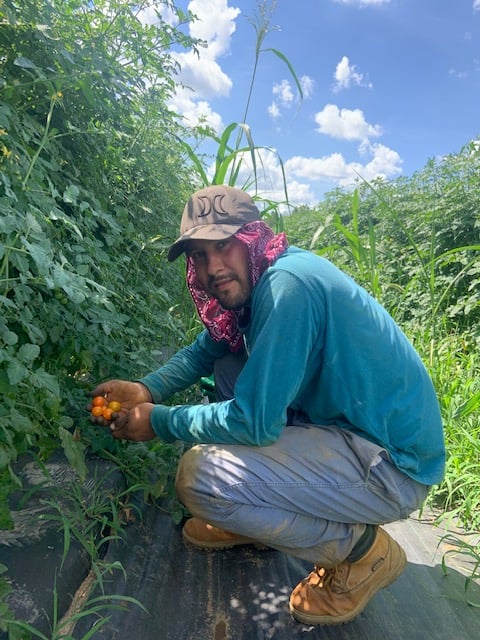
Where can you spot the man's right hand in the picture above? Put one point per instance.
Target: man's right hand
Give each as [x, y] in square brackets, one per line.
[129, 394]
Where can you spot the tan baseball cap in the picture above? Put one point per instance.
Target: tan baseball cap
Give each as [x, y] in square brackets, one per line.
[214, 213]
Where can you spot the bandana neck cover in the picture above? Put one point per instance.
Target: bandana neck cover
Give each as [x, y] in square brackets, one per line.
[263, 249]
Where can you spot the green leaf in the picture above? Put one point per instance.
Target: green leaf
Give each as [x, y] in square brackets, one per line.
[21, 422]
[284, 59]
[74, 450]
[5, 386]
[9, 338]
[28, 353]
[43, 380]
[25, 63]
[16, 372]
[40, 255]
[468, 407]
[196, 162]
[71, 194]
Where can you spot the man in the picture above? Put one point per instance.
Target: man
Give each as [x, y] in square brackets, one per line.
[327, 425]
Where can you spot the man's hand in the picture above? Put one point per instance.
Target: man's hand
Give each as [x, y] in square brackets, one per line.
[134, 424]
[129, 394]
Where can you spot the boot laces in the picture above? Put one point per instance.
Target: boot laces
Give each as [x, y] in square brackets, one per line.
[330, 578]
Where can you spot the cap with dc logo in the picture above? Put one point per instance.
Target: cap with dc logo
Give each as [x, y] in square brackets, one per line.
[214, 213]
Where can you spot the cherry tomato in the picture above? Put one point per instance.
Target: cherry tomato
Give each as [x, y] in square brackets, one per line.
[107, 413]
[99, 401]
[115, 406]
[97, 411]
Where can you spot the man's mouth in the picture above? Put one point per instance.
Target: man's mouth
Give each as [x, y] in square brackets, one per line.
[220, 284]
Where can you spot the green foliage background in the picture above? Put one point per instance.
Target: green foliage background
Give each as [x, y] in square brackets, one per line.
[92, 184]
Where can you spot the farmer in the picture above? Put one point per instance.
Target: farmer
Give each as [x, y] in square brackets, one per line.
[326, 425]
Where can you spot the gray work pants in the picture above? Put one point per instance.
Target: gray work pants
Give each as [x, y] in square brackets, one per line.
[310, 494]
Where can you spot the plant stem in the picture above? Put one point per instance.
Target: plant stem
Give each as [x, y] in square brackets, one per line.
[43, 141]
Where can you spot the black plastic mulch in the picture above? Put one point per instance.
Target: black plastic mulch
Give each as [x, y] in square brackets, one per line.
[238, 594]
[242, 593]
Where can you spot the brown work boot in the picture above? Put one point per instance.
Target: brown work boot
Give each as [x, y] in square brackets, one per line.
[334, 596]
[206, 536]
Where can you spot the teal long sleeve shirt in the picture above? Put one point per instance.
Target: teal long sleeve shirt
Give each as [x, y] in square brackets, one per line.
[319, 343]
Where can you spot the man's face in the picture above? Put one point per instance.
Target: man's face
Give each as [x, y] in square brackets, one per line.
[222, 269]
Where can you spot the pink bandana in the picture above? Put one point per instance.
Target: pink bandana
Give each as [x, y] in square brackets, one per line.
[264, 247]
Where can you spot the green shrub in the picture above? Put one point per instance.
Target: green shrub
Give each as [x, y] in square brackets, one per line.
[93, 181]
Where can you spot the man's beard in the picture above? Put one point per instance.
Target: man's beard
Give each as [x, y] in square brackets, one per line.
[228, 301]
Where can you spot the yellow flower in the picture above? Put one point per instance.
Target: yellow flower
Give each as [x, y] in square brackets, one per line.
[5, 151]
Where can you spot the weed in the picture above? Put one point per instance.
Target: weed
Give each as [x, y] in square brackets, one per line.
[469, 552]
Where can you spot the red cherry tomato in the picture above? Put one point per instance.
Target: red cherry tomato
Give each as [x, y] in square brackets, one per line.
[107, 413]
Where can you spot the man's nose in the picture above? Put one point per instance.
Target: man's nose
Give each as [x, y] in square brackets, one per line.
[215, 263]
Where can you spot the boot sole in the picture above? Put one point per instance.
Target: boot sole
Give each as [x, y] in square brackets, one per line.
[221, 544]
[396, 571]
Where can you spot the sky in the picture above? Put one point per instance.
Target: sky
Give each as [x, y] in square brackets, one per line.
[387, 85]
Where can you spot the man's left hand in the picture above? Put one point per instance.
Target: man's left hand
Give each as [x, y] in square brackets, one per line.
[134, 424]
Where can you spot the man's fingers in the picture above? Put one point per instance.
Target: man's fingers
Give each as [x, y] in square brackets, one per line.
[116, 431]
[100, 390]
[119, 423]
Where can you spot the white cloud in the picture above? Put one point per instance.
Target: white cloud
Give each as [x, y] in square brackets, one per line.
[200, 72]
[383, 162]
[345, 124]
[307, 83]
[149, 14]
[331, 168]
[285, 95]
[346, 76]
[273, 111]
[284, 92]
[270, 183]
[306, 177]
[476, 5]
[300, 193]
[215, 25]
[203, 75]
[195, 111]
[270, 180]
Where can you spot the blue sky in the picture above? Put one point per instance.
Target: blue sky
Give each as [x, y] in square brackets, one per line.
[388, 84]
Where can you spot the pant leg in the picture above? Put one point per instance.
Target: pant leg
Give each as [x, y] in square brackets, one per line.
[310, 494]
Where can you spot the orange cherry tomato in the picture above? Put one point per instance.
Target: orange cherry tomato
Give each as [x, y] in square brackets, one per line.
[107, 413]
[97, 411]
[115, 406]
[99, 401]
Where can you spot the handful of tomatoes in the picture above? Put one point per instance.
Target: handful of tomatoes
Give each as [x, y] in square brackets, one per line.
[102, 409]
